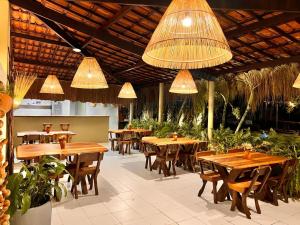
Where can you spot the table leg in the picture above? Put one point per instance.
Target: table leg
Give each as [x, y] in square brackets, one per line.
[84, 185]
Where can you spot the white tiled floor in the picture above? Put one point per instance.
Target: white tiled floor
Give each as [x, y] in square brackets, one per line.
[131, 195]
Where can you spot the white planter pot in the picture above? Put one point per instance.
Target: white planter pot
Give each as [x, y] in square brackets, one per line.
[35, 216]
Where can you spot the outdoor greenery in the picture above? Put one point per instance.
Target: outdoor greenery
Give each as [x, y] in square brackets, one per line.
[34, 185]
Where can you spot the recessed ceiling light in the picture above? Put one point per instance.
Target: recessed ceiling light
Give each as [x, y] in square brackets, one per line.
[76, 50]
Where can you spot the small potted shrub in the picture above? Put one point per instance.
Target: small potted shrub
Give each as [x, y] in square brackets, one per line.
[32, 190]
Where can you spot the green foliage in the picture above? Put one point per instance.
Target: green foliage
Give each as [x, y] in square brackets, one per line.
[34, 185]
[145, 124]
[166, 128]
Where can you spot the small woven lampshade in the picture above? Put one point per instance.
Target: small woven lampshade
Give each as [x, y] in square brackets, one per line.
[127, 91]
[188, 36]
[89, 75]
[184, 83]
[297, 82]
[22, 84]
[51, 86]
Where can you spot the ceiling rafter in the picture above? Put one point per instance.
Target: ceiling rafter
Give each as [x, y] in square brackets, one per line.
[268, 5]
[102, 35]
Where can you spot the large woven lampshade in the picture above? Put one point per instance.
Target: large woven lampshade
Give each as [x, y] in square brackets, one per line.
[51, 86]
[184, 83]
[297, 82]
[188, 36]
[22, 84]
[127, 91]
[89, 75]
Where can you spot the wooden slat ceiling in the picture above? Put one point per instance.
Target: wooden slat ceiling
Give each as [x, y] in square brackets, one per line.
[43, 32]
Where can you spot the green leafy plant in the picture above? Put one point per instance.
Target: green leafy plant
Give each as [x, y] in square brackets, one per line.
[34, 185]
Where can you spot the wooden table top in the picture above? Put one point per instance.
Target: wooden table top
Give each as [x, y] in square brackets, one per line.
[169, 141]
[51, 133]
[135, 130]
[36, 150]
[240, 161]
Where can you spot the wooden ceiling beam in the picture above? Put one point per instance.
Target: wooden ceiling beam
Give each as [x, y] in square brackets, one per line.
[268, 5]
[39, 9]
[261, 65]
[45, 64]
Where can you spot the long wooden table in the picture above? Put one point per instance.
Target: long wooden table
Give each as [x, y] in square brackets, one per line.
[232, 165]
[44, 134]
[135, 130]
[31, 151]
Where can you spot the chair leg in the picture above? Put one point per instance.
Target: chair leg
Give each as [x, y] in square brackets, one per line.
[174, 170]
[159, 170]
[169, 165]
[150, 164]
[113, 145]
[245, 207]
[202, 188]
[147, 159]
[286, 199]
[275, 196]
[96, 185]
[234, 198]
[215, 192]
[257, 205]
[90, 179]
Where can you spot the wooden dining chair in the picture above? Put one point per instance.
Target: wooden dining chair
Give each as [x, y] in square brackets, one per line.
[32, 139]
[190, 158]
[208, 173]
[256, 184]
[167, 154]
[64, 126]
[125, 142]
[279, 184]
[113, 139]
[148, 150]
[86, 165]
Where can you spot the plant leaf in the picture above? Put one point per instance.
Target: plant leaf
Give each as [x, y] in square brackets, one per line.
[26, 202]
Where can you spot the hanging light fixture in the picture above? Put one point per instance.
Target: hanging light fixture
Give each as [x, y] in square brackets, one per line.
[22, 84]
[51, 86]
[89, 75]
[127, 91]
[297, 82]
[188, 36]
[184, 83]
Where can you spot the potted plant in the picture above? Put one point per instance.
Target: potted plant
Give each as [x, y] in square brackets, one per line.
[5, 99]
[32, 190]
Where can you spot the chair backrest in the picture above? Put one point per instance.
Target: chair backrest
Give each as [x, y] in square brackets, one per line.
[203, 145]
[127, 134]
[45, 125]
[289, 168]
[262, 174]
[85, 160]
[172, 151]
[203, 164]
[235, 150]
[64, 126]
[28, 139]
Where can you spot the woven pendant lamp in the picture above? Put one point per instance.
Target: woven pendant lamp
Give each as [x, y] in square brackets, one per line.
[22, 84]
[52, 86]
[184, 83]
[89, 75]
[297, 82]
[127, 91]
[188, 36]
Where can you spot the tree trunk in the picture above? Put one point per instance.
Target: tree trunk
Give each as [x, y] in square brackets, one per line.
[224, 111]
[242, 120]
[181, 109]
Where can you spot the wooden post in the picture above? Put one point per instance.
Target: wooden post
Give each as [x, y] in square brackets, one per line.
[131, 108]
[211, 102]
[4, 53]
[161, 103]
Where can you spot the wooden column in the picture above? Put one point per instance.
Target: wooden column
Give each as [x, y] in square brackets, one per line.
[211, 102]
[4, 52]
[131, 108]
[161, 103]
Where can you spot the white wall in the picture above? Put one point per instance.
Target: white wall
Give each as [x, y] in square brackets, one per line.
[33, 107]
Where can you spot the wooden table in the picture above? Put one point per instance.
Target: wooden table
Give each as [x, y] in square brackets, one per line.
[238, 163]
[161, 144]
[31, 151]
[135, 130]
